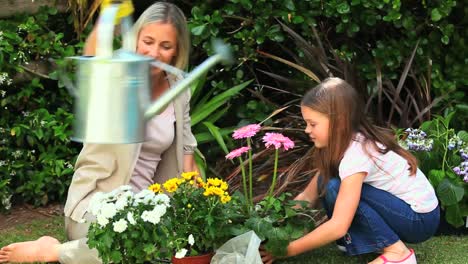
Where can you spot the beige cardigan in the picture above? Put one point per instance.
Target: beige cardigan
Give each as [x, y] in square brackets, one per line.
[104, 167]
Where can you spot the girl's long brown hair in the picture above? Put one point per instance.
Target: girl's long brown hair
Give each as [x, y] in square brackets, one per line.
[340, 102]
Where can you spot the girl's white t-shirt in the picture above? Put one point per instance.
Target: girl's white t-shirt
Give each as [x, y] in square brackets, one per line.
[388, 172]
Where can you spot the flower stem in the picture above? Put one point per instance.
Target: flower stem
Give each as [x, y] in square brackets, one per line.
[250, 172]
[275, 169]
[244, 183]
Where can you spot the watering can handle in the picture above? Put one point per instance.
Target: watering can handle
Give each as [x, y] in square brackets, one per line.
[62, 76]
[105, 32]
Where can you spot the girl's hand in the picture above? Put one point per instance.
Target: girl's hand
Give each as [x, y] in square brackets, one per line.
[267, 258]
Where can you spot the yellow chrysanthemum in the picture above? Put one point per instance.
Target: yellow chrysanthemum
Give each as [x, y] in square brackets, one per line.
[225, 199]
[189, 175]
[156, 188]
[171, 185]
[214, 182]
[224, 186]
[217, 191]
[199, 180]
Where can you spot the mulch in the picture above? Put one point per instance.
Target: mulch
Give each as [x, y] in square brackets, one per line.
[25, 213]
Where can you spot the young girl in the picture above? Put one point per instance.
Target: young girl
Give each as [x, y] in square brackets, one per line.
[162, 34]
[375, 196]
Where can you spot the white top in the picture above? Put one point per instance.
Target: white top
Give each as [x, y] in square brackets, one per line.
[159, 137]
[388, 172]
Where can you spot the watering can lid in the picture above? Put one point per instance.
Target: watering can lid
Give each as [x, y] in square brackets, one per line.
[118, 56]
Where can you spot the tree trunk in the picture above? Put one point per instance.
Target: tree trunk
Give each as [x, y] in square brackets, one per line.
[11, 7]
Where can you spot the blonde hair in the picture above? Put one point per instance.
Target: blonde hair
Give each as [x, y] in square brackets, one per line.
[168, 13]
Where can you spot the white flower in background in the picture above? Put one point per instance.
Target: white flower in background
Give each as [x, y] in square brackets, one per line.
[17, 153]
[4, 78]
[130, 218]
[3, 93]
[191, 240]
[6, 202]
[120, 226]
[43, 123]
[181, 253]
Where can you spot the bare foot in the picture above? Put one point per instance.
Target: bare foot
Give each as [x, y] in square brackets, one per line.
[42, 250]
[395, 252]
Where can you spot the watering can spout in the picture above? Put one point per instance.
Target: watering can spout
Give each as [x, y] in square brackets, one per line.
[113, 88]
[223, 54]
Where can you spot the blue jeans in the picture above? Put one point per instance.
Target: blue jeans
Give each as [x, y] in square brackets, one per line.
[381, 220]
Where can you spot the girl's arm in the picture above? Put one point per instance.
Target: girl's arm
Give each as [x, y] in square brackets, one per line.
[343, 214]
[310, 193]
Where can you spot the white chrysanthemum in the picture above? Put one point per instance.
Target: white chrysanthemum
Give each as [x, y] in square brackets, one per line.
[130, 218]
[144, 197]
[191, 240]
[160, 209]
[181, 253]
[150, 217]
[162, 199]
[121, 203]
[108, 210]
[102, 221]
[95, 203]
[120, 226]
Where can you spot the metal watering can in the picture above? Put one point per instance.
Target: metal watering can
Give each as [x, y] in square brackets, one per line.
[112, 97]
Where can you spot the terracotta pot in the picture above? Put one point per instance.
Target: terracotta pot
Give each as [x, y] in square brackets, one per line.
[201, 259]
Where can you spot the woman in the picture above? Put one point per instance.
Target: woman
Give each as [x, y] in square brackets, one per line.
[162, 34]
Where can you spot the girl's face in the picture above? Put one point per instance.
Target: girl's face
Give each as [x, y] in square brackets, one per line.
[317, 125]
[159, 41]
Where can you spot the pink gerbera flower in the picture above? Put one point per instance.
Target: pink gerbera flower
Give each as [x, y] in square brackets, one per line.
[237, 153]
[246, 131]
[278, 140]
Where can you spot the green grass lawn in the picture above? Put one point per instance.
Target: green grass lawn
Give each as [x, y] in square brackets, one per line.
[441, 249]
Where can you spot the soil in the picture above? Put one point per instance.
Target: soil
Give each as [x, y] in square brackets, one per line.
[26, 213]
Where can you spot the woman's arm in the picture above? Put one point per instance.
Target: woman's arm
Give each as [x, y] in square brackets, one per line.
[189, 163]
[343, 214]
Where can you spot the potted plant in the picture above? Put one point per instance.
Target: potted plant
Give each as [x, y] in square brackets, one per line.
[185, 216]
[276, 220]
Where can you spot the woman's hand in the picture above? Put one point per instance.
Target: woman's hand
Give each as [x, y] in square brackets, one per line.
[267, 258]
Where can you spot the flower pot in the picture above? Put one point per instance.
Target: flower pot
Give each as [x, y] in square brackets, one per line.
[201, 259]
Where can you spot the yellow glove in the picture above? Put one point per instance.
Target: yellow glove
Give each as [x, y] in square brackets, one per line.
[125, 9]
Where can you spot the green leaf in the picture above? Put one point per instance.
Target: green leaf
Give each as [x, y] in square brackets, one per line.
[454, 216]
[343, 8]
[435, 15]
[449, 193]
[436, 176]
[214, 130]
[463, 135]
[208, 108]
[198, 30]
[290, 5]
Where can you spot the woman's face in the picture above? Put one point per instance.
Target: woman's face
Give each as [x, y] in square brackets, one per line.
[159, 41]
[317, 126]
